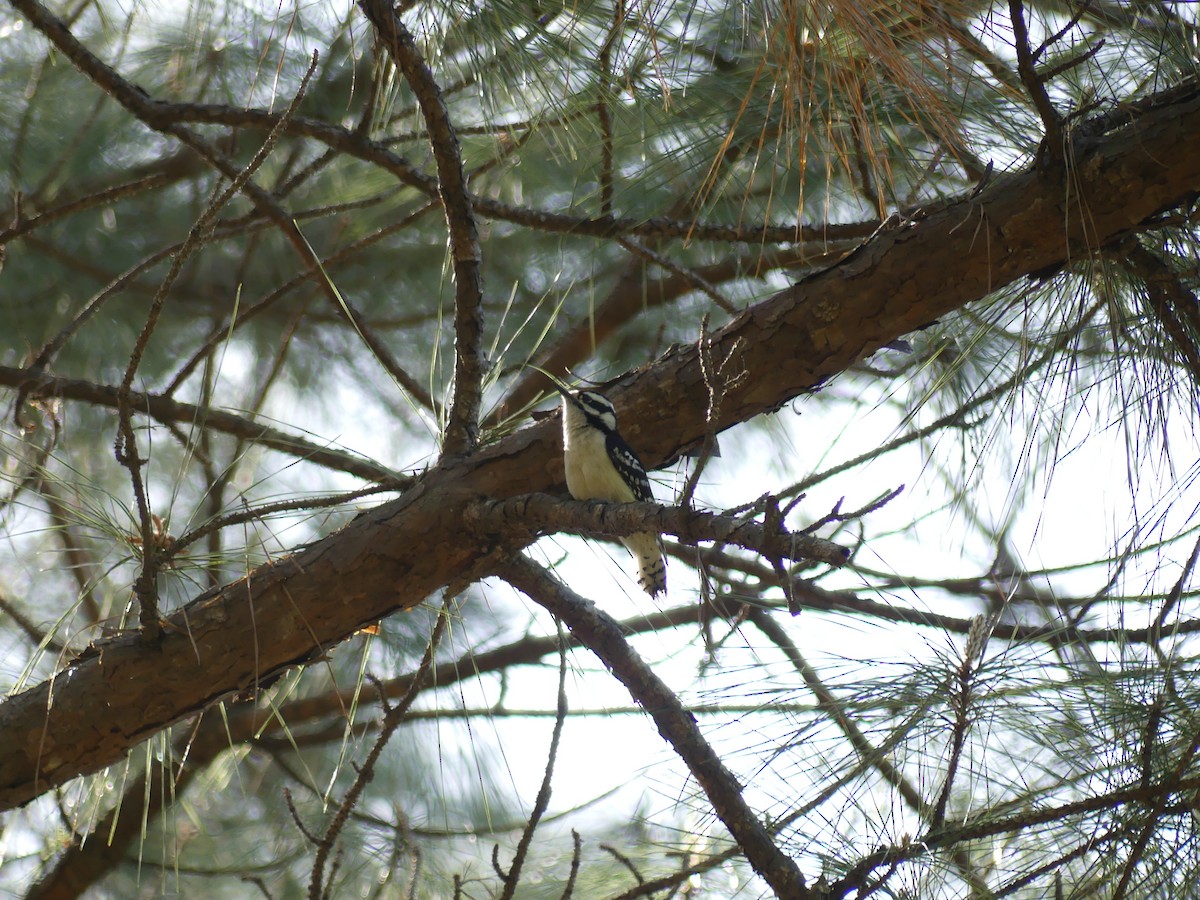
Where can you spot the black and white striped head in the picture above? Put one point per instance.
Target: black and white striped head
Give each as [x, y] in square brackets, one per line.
[587, 409]
[597, 409]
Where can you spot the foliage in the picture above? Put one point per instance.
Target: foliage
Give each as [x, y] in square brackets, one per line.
[284, 285]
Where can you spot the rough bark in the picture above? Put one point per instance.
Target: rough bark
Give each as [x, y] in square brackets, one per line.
[98, 707]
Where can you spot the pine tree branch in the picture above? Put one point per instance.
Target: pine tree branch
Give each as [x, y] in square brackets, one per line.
[462, 429]
[529, 516]
[358, 146]
[82, 864]
[1128, 169]
[156, 115]
[602, 635]
[168, 411]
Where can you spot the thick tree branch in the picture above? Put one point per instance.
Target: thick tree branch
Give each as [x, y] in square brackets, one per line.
[1128, 167]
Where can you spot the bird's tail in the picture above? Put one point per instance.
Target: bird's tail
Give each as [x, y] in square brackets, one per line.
[647, 549]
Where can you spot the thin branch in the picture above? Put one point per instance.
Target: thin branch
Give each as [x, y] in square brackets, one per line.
[342, 255]
[35, 635]
[378, 153]
[22, 224]
[576, 859]
[255, 513]
[961, 703]
[167, 411]
[988, 825]
[531, 514]
[602, 635]
[689, 276]
[462, 429]
[1035, 86]
[542, 801]
[1172, 302]
[161, 118]
[829, 704]
[392, 719]
[145, 586]
[712, 417]
[603, 87]
[79, 560]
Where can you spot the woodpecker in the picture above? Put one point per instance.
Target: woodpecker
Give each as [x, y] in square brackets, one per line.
[602, 466]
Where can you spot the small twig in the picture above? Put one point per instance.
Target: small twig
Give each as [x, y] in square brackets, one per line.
[1177, 589]
[712, 418]
[694, 279]
[26, 625]
[165, 410]
[254, 513]
[1066, 65]
[512, 879]
[836, 514]
[1034, 85]
[258, 883]
[576, 859]
[1080, 11]
[603, 86]
[528, 514]
[773, 524]
[624, 860]
[79, 559]
[386, 359]
[960, 702]
[145, 586]
[308, 835]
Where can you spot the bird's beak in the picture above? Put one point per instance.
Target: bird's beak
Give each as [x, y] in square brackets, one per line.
[562, 390]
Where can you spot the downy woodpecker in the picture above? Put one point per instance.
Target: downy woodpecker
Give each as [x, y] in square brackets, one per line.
[601, 466]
